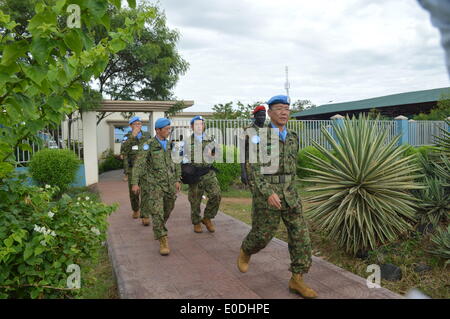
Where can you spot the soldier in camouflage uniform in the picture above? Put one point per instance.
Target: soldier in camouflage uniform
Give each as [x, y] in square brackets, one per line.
[131, 145]
[208, 183]
[276, 197]
[160, 179]
[259, 117]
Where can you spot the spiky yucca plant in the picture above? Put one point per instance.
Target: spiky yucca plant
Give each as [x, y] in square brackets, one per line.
[443, 142]
[443, 170]
[441, 241]
[434, 204]
[364, 198]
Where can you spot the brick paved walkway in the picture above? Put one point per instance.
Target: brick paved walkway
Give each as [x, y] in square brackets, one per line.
[204, 265]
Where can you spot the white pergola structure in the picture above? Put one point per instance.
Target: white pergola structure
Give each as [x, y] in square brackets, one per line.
[156, 109]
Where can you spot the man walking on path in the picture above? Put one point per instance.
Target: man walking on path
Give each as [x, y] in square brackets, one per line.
[131, 145]
[160, 179]
[207, 183]
[276, 197]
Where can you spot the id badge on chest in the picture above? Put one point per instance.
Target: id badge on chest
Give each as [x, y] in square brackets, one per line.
[135, 148]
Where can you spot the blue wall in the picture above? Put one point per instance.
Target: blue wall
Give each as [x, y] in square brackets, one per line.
[80, 180]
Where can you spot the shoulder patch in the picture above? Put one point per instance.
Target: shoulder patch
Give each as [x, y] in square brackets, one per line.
[255, 139]
[146, 147]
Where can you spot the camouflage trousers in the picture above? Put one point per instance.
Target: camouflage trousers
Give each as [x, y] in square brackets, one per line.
[265, 223]
[134, 198]
[210, 185]
[157, 204]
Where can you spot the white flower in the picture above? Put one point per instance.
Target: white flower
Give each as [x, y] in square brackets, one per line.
[47, 186]
[87, 197]
[43, 243]
[95, 230]
[79, 199]
[44, 230]
[50, 214]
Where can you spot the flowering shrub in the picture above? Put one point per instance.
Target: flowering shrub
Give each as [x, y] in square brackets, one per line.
[42, 239]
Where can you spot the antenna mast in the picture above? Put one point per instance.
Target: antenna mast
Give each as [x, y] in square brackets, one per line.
[287, 85]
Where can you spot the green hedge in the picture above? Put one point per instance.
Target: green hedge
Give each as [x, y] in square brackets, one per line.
[110, 163]
[54, 167]
[304, 162]
[229, 173]
[424, 150]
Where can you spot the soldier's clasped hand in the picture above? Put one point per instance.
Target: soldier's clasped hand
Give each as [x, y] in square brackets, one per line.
[135, 189]
[274, 201]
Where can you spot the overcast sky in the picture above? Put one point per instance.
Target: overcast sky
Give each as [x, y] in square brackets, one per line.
[338, 51]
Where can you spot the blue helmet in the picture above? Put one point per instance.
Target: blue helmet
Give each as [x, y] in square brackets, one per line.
[134, 119]
[195, 118]
[162, 122]
[283, 99]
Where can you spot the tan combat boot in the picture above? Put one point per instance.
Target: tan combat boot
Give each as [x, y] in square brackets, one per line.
[296, 284]
[243, 261]
[145, 221]
[164, 246]
[198, 228]
[209, 225]
[136, 215]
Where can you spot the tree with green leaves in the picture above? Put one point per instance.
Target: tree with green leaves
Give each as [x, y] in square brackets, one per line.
[440, 112]
[228, 111]
[149, 67]
[46, 58]
[301, 105]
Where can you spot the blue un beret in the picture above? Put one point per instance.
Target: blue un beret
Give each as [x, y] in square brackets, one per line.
[195, 118]
[134, 119]
[283, 99]
[162, 122]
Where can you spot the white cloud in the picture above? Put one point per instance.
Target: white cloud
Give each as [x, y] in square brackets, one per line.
[336, 50]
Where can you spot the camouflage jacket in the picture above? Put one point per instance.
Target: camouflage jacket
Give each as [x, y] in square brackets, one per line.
[282, 182]
[130, 147]
[154, 167]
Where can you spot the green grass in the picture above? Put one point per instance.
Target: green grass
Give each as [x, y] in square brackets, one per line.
[231, 192]
[99, 282]
[237, 193]
[406, 253]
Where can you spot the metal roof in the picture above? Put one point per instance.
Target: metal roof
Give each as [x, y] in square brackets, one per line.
[381, 101]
